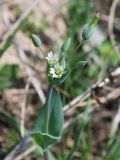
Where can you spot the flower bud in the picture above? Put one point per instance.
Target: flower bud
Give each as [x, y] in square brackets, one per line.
[89, 29]
[36, 40]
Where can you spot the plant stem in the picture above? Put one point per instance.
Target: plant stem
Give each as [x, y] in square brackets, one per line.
[79, 45]
[42, 51]
[46, 154]
[83, 124]
[76, 49]
[48, 108]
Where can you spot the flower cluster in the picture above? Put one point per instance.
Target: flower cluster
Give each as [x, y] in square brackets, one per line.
[56, 70]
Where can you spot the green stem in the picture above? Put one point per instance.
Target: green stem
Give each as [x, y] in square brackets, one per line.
[77, 141]
[46, 152]
[42, 52]
[76, 49]
[79, 45]
[50, 88]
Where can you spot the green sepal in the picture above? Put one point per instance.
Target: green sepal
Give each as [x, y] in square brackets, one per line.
[62, 79]
[89, 29]
[36, 40]
[65, 46]
[44, 138]
[80, 65]
[75, 62]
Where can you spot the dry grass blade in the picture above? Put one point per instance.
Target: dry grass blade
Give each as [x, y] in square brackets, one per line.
[33, 78]
[110, 26]
[17, 23]
[23, 109]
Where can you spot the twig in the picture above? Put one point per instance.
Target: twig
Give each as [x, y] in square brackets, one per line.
[5, 14]
[116, 122]
[74, 119]
[18, 148]
[81, 104]
[82, 97]
[110, 96]
[35, 82]
[23, 109]
[87, 93]
[26, 153]
[110, 26]
[116, 22]
[16, 91]
[18, 22]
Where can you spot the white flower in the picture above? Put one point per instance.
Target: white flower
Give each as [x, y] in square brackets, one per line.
[52, 58]
[57, 71]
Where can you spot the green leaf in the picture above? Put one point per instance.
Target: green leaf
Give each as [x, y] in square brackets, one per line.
[54, 121]
[8, 42]
[80, 64]
[113, 152]
[10, 39]
[82, 125]
[8, 73]
[36, 40]
[6, 117]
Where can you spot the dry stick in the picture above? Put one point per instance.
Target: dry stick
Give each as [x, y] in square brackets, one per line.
[86, 94]
[115, 123]
[72, 120]
[110, 26]
[73, 104]
[12, 154]
[23, 110]
[36, 85]
[116, 22]
[6, 19]
[18, 22]
[17, 91]
[35, 82]
[5, 15]
[82, 97]
[110, 96]
[81, 104]
[7, 22]
[26, 153]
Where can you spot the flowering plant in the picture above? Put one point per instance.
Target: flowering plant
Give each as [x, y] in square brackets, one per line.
[49, 123]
